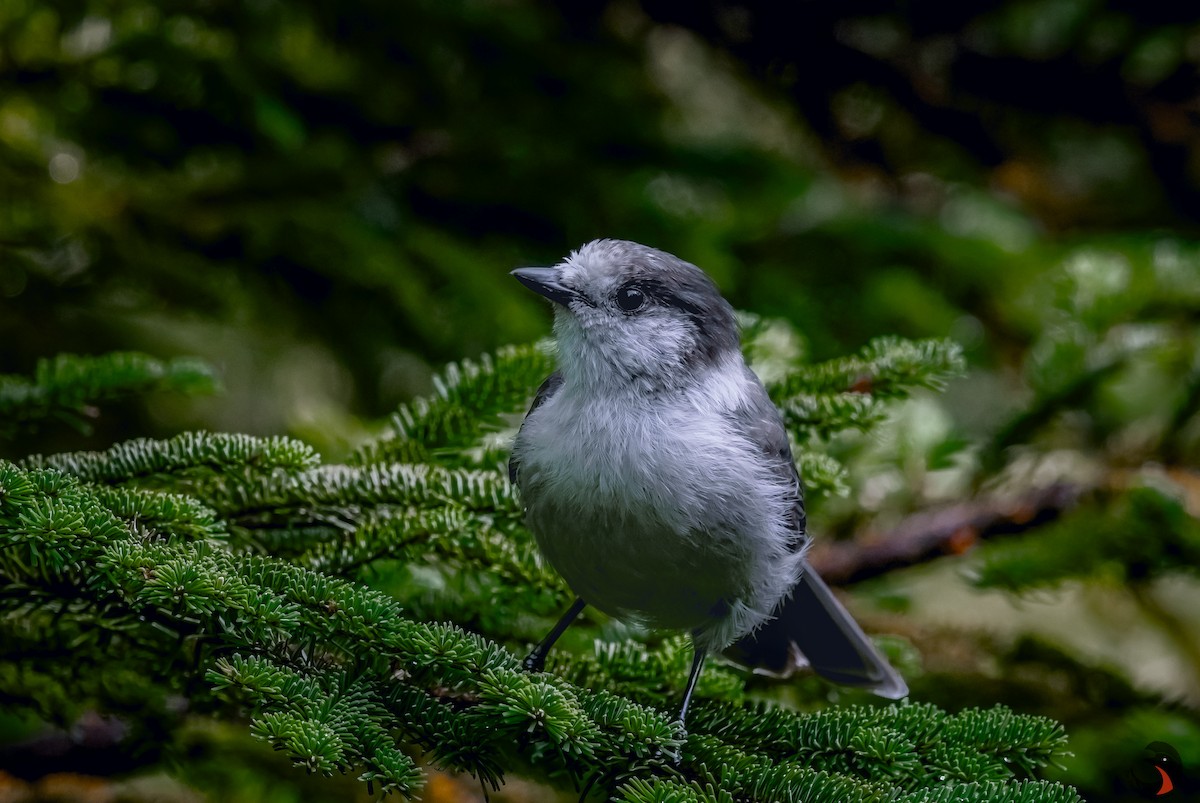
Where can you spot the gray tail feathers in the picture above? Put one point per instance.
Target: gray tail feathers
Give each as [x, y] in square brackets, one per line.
[811, 627]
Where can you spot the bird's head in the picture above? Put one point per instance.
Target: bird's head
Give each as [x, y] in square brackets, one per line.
[630, 316]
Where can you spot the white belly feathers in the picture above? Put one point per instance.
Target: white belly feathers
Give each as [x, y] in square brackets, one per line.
[622, 523]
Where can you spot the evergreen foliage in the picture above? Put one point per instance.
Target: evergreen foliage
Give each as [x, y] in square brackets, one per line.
[1132, 537]
[224, 568]
[67, 387]
[469, 400]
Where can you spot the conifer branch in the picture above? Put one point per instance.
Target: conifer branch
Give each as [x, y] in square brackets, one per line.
[887, 368]
[144, 457]
[852, 393]
[68, 386]
[354, 670]
[469, 399]
[247, 549]
[819, 416]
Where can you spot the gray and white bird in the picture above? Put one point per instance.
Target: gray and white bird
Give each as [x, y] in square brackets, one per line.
[658, 479]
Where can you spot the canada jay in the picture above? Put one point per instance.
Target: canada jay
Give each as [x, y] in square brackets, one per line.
[658, 479]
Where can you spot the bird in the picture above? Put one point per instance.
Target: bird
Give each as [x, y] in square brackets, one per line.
[658, 478]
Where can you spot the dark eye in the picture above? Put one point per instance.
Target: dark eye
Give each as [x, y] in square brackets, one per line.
[630, 299]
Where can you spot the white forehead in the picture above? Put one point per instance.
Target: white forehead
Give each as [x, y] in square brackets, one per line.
[601, 264]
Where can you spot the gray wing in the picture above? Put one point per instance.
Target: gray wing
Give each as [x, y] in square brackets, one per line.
[759, 420]
[810, 626]
[547, 389]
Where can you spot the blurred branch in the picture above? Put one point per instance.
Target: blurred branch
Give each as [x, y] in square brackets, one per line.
[950, 530]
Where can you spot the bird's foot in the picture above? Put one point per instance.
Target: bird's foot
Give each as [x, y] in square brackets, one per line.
[681, 735]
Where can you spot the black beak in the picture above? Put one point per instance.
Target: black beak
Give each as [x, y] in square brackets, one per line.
[544, 282]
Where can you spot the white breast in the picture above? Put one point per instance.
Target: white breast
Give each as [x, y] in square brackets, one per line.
[657, 511]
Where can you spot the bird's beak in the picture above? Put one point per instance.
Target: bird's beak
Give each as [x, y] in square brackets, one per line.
[544, 282]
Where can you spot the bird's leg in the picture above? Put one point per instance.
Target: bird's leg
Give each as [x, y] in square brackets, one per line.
[698, 657]
[536, 660]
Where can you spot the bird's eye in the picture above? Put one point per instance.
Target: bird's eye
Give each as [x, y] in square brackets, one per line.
[630, 299]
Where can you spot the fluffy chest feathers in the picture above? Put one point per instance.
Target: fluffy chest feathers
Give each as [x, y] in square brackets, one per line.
[660, 466]
[658, 510]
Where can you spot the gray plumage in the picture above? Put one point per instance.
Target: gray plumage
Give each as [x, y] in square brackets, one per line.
[658, 478]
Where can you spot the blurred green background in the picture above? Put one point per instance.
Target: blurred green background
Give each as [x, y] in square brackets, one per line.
[324, 200]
